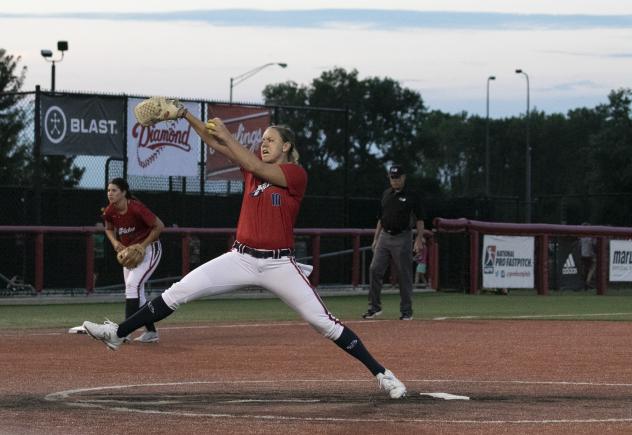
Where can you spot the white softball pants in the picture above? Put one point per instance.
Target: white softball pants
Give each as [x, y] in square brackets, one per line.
[283, 277]
[136, 278]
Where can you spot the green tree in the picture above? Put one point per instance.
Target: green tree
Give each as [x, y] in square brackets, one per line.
[14, 153]
[611, 155]
[16, 156]
[383, 122]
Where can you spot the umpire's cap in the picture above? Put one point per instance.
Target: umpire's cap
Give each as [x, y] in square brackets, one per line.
[396, 171]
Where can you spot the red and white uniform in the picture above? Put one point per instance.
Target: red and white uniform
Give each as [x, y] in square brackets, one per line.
[266, 224]
[133, 227]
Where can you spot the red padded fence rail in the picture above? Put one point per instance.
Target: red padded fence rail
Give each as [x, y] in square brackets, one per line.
[186, 233]
[542, 233]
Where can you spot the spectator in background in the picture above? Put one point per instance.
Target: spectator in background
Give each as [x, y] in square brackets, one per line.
[588, 251]
[99, 250]
[194, 251]
[421, 260]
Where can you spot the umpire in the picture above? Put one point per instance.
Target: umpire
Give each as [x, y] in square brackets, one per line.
[400, 211]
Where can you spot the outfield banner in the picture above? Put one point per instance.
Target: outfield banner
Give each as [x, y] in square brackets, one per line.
[169, 148]
[82, 125]
[247, 124]
[568, 264]
[620, 260]
[507, 261]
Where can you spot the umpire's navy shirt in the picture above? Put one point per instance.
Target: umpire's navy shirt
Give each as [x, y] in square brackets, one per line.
[400, 210]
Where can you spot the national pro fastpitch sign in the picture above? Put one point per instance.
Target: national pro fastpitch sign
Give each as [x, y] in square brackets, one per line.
[82, 125]
[507, 261]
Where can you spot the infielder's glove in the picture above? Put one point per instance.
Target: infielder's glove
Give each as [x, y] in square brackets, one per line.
[131, 256]
[155, 109]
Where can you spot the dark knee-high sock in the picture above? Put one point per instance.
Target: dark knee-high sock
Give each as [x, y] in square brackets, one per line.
[150, 325]
[351, 343]
[152, 311]
[131, 306]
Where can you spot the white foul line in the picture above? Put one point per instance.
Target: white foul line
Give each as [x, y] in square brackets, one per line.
[532, 316]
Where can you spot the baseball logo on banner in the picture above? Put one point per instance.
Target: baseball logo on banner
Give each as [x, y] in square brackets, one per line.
[168, 148]
[620, 260]
[507, 261]
[247, 124]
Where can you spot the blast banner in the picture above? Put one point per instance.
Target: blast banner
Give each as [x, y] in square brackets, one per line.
[165, 149]
[620, 260]
[507, 261]
[247, 125]
[82, 125]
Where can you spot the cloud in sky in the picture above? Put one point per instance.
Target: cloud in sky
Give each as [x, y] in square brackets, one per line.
[446, 56]
[615, 55]
[589, 7]
[364, 18]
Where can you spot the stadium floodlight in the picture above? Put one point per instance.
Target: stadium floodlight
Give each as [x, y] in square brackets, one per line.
[234, 81]
[62, 46]
[527, 216]
[487, 165]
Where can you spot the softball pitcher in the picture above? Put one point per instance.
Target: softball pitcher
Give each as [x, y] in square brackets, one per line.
[262, 254]
[128, 222]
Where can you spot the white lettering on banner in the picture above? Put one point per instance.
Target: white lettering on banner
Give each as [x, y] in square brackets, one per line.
[92, 126]
[250, 139]
[569, 267]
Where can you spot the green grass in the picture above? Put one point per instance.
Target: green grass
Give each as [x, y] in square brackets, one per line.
[562, 306]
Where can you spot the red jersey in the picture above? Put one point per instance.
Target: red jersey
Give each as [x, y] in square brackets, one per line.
[132, 227]
[268, 212]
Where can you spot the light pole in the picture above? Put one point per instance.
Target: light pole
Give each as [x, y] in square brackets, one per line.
[527, 158]
[62, 46]
[487, 165]
[234, 81]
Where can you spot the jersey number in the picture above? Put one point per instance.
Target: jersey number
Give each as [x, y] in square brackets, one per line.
[276, 199]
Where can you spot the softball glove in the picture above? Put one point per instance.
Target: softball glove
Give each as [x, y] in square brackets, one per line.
[131, 256]
[155, 109]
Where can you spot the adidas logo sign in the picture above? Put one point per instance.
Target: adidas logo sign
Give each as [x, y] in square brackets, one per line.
[569, 267]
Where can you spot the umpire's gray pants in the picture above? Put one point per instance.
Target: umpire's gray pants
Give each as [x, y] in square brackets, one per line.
[399, 248]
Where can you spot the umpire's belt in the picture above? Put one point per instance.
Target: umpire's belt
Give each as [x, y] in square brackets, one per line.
[262, 253]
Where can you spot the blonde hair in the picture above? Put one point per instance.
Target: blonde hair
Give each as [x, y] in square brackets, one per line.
[287, 135]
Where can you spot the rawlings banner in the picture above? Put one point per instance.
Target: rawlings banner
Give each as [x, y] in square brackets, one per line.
[167, 148]
[247, 125]
[82, 125]
[507, 261]
[620, 260]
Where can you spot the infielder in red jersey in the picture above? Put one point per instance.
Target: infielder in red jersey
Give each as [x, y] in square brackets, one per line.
[128, 221]
[263, 253]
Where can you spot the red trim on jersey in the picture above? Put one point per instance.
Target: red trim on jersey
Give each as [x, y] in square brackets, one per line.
[153, 263]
